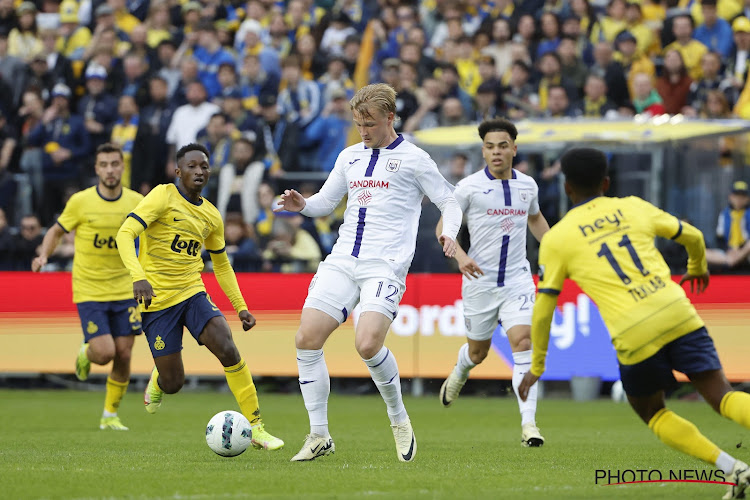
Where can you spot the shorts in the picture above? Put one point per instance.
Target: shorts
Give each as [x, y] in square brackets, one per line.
[117, 318]
[485, 307]
[343, 281]
[164, 328]
[691, 353]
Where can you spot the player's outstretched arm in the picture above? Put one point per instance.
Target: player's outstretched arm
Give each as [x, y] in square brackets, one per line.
[291, 201]
[544, 309]
[228, 283]
[466, 264]
[49, 243]
[143, 292]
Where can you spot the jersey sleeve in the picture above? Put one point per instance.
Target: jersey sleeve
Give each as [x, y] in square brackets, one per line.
[71, 214]
[215, 241]
[552, 268]
[663, 224]
[534, 205]
[431, 182]
[153, 206]
[462, 193]
[330, 195]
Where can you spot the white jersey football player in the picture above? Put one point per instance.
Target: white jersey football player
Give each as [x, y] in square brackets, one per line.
[498, 202]
[385, 178]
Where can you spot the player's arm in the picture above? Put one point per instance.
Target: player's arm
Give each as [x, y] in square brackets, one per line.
[687, 235]
[321, 203]
[466, 264]
[440, 191]
[49, 243]
[224, 273]
[538, 225]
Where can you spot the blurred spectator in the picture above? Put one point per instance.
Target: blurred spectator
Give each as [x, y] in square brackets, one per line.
[248, 42]
[124, 132]
[452, 113]
[606, 66]
[487, 72]
[458, 168]
[487, 103]
[139, 45]
[279, 41]
[188, 120]
[406, 99]
[210, 55]
[291, 248]
[158, 23]
[329, 133]
[711, 80]
[571, 26]
[8, 18]
[165, 66]
[336, 78]
[14, 75]
[30, 113]
[280, 137]
[6, 243]
[595, 103]
[217, 139]
[312, 61]
[98, 107]
[299, 99]
[558, 104]
[632, 61]
[611, 23]
[467, 67]
[427, 114]
[715, 33]
[550, 73]
[573, 68]
[255, 81]
[412, 53]
[646, 42]
[266, 215]
[352, 46]
[135, 81]
[64, 144]
[674, 84]
[23, 40]
[334, 36]
[241, 247]
[150, 149]
[526, 33]
[74, 38]
[57, 67]
[26, 242]
[690, 49]
[645, 97]
[733, 231]
[738, 58]
[124, 20]
[519, 96]
[449, 77]
[550, 29]
[239, 181]
[499, 47]
[8, 143]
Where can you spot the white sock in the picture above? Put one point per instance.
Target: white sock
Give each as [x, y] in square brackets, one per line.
[315, 385]
[522, 364]
[726, 463]
[464, 363]
[106, 414]
[384, 372]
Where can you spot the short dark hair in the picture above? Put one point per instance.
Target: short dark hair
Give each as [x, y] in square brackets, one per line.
[108, 147]
[584, 169]
[498, 125]
[191, 147]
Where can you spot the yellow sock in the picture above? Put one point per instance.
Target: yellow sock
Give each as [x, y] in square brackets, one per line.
[682, 435]
[735, 405]
[113, 396]
[241, 384]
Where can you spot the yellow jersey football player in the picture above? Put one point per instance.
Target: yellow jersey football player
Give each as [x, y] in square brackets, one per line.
[606, 245]
[177, 223]
[101, 285]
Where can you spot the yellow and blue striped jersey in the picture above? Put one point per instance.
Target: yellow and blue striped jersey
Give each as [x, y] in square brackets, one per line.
[606, 245]
[176, 230]
[98, 272]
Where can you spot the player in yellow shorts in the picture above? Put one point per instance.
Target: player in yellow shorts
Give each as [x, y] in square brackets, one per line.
[177, 223]
[606, 245]
[101, 284]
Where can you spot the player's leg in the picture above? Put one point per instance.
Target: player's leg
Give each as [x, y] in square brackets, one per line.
[481, 307]
[331, 296]
[519, 337]
[210, 327]
[644, 384]
[163, 330]
[379, 301]
[98, 346]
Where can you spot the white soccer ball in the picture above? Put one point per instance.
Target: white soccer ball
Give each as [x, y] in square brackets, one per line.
[228, 433]
[618, 393]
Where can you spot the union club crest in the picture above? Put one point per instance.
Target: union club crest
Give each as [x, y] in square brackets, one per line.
[393, 165]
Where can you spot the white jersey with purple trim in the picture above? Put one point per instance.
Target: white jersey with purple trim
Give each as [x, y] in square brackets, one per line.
[497, 213]
[385, 188]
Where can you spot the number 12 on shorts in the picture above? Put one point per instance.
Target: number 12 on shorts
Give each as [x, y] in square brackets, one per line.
[391, 294]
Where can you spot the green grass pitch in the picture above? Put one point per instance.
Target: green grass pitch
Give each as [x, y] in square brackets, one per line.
[51, 447]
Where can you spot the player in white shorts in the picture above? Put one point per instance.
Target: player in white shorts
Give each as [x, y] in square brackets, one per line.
[385, 178]
[499, 202]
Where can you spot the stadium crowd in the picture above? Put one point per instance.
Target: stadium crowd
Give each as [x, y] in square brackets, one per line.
[265, 86]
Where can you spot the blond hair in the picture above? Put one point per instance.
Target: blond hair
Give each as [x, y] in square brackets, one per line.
[375, 96]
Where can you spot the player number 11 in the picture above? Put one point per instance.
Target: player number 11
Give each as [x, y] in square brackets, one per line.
[605, 252]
